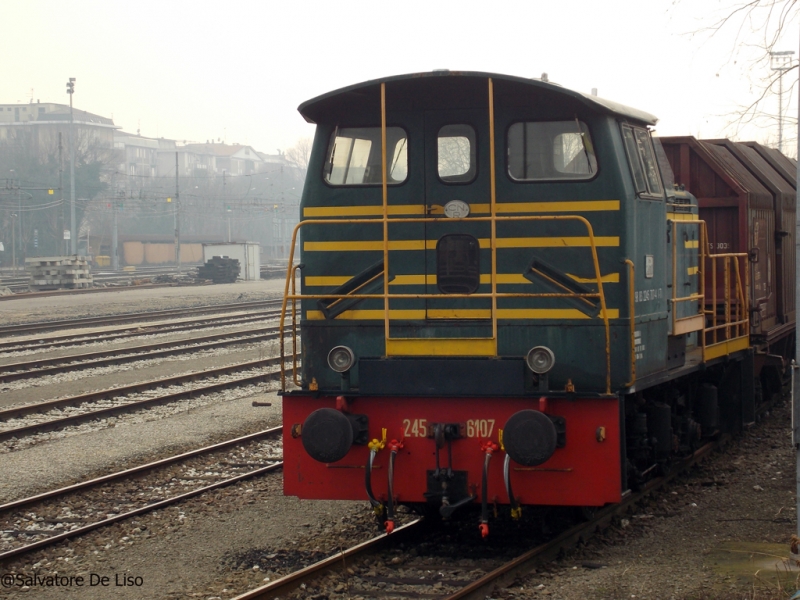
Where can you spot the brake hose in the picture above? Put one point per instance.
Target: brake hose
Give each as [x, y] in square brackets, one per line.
[516, 509]
[394, 446]
[375, 446]
[488, 448]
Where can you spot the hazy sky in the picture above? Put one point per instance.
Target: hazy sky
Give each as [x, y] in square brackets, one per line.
[238, 70]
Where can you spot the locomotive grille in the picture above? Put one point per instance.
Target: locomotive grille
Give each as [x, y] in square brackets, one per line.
[458, 264]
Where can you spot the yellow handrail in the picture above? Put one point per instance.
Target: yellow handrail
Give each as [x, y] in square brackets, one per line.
[294, 328]
[493, 212]
[385, 220]
[494, 295]
[632, 316]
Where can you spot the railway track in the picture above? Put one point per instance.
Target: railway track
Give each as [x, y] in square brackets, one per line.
[45, 520]
[382, 568]
[51, 366]
[41, 417]
[31, 328]
[136, 331]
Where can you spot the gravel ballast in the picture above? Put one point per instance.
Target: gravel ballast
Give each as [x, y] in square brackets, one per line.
[676, 546]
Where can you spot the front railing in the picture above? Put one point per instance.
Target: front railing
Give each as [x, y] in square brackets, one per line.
[723, 323]
[290, 293]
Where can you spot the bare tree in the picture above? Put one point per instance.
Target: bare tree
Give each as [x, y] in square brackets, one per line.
[30, 159]
[759, 26]
[300, 153]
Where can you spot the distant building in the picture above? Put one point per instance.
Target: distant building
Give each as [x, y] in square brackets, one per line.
[138, 156]
[233, 159]
[40, 124]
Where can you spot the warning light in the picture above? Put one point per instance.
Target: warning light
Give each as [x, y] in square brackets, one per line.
[50, 192]
[169, 199]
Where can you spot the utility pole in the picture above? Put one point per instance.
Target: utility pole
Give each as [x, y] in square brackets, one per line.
[19, 224]
[114, 240]
[14, 244]
[177, 217]
[225, 203]
[781, 62]
[796, 361]
[61, 187]
[73, 238]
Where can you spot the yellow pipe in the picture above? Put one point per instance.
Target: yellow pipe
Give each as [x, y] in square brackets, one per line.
[674, 272]
[494, 295]
[493, 208]
[294, 327]
[341, 297]
[714, 297]
[420, 296]
[727, 297]
[631, 302]
[561, 285]
[603, 310]
[385, 189]
[747, 295]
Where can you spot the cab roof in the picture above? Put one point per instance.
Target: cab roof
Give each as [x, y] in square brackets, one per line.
[445, 89]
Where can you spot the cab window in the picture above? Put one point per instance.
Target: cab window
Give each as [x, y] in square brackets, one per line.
[456, 154]
[550, 151]
[354, 156]
[642, 160]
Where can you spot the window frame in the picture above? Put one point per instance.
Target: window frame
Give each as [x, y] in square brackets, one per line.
[340, 186]
[553, 180]
[473, 152]
[647, 194]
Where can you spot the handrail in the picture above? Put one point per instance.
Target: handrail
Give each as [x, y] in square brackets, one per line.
[700, 296]
[494, 295]
[493, 211]
[741, 324]
[632, 316]
[734, 326]
[294, 327]
[385, 219]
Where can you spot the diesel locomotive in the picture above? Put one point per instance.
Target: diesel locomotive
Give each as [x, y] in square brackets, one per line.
[503, 298]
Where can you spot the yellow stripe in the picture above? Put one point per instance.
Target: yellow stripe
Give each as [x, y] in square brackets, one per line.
[548, 313]
[441, 347]
[475, 209]
[363, 246]
[362, 211]
[502, 313]
[692, 270]
[691, 244]
[530, 242]
[681, 217]
[461, 313]
[548, 207]
[555, 242]
[326, 281]
[375, 246]
[610, 278]
[369, 315]
[508, 278]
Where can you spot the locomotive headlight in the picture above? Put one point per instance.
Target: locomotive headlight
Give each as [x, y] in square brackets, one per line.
[540, 359]
[341, 358]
